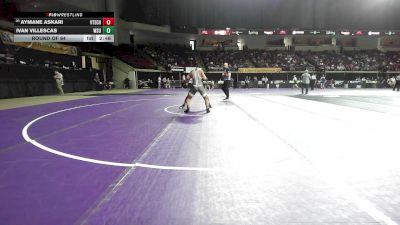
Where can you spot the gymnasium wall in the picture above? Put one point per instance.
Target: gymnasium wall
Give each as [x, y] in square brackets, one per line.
[24, 81]
[121, 71]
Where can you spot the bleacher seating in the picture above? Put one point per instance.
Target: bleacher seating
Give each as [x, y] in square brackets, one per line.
[214, 60]
[168, 56]
[288, 61]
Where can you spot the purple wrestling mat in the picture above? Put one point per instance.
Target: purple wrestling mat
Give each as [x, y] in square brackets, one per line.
[260, 158]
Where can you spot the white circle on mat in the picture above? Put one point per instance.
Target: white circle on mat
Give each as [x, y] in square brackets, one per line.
[102, 162]
[195, 113]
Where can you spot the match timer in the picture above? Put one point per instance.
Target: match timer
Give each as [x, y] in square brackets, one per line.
[64, 27]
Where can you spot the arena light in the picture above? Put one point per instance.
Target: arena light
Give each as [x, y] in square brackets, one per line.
[297, 32]
[330, 32]
[267, 32]
[390, 33]
[220, 32]
[345, 33]
[359, 33]
[315, 32]
[373, 33]
[282, 32]
[237, 32]
[253, 32]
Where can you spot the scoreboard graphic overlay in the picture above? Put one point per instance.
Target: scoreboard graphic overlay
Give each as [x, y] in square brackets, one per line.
[64, 27]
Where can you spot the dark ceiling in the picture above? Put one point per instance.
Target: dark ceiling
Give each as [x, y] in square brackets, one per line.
[329, 14]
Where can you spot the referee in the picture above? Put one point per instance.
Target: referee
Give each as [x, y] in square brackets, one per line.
[397, 84]
[227, 81]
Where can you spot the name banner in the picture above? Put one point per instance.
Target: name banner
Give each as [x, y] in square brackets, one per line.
[260, 70]
[8, 38]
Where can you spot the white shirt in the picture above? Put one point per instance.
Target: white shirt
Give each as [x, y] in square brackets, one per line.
[305, 78]
[59, 78]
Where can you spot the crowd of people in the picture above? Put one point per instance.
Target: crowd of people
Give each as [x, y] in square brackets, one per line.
[213, 60]
[288, 61]
[367, 60]
[169, 56]
[131, 56]
[165, 82]
[328, 60]
[25, 56]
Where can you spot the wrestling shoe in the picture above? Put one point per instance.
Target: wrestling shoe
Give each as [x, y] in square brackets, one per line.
[187, 110]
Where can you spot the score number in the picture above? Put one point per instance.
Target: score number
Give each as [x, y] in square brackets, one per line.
[108, 25]
[108, 21]
[108, 30]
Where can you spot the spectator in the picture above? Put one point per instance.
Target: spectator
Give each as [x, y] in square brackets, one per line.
[164, 82]
[322, 81]
[295, 82]
[58, 77]
[159, 82]
[127, 83]
[305, 82]
[397, 85]
[168, 83]
[312, 82]
[183, 82]
[263, 81]
[97, 81]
